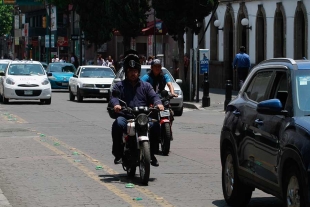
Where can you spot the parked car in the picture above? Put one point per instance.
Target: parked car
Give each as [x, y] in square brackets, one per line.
[176, 103]
[3, 64]
[25, 80]
[91, 81]
[265, 139]
[59, 74]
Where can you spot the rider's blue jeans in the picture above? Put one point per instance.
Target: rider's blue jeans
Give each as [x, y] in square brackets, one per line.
[119, 127]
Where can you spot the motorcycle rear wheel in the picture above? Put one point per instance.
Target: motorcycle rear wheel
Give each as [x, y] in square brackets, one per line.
[165, 138]
[145, 162]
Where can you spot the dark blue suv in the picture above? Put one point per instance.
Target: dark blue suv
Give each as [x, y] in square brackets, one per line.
[265, 139]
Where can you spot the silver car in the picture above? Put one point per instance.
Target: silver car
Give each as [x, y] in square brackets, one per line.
[176, 103]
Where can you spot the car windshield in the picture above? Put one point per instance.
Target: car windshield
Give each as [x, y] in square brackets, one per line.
[165, 71]
[301, 95]
[3, 66]
[61, 68]
[25, 69]
[97, 73]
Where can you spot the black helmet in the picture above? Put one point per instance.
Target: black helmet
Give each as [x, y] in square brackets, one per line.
[131, 60]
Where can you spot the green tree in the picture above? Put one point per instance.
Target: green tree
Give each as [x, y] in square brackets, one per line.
[6, 19]
[178, 16]
[128, 17]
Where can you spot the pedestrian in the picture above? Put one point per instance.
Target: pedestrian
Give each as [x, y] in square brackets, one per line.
[55, 59]
[241, 65]
[100, 60]
[74, 60]
[149, 60]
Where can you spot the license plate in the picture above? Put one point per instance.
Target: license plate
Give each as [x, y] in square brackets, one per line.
[164, 113]
[28, 92]
[64, 84]
[103, 91]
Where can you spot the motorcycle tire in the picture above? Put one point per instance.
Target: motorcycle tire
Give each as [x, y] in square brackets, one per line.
[165, 138]
[145, 162]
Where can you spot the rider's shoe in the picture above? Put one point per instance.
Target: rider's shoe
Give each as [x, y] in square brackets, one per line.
[154, 161]
[117, 160]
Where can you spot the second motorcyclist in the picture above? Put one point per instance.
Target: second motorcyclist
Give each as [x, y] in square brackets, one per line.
[135, 93]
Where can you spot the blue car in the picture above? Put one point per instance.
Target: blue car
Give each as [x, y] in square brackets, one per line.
[59, 74]
[265, 139]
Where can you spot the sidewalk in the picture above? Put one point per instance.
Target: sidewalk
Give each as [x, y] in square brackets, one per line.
[217, 99]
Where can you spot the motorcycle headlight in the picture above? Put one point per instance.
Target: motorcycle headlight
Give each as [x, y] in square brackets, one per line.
[45, 81]
[10, 81]
[142, 119]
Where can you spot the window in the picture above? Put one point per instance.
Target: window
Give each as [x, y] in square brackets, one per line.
[257, 88]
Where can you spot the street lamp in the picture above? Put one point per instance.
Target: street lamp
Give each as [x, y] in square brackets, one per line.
[217, 24]
[245, 22]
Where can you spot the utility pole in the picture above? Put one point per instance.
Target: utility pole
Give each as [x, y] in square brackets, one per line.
[50, 31]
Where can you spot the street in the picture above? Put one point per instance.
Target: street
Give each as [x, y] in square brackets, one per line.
[60, 155]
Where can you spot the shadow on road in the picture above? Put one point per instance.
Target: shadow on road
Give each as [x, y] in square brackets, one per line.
[123, 179]
[90, 101]
[255, 202]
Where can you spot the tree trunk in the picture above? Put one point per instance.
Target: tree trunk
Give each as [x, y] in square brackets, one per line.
[126, 43]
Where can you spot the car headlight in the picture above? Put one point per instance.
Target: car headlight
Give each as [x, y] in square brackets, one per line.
[45, 82]
[142, 119]
[51, 78]
[85, 85]
[10, 81]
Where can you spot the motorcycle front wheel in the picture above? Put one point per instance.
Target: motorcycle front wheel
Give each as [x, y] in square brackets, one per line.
[145, 162]
[165, 138]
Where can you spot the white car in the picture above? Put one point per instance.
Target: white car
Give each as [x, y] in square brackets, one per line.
[25, 80]
[91, 81]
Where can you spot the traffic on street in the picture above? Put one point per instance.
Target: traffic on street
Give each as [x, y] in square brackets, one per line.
[60, 155]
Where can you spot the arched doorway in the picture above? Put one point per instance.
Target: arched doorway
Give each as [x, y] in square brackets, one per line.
[229, 43]
[279, 32]
[242, 32]
[260, 34]
[300, 32]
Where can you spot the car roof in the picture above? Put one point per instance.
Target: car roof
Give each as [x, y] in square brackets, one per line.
[288, 62]
[61, 63]
[5, 60]
[94, 66]
[24, 62]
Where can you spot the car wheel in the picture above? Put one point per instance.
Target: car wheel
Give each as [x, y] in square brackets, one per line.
[235, 192]
[48, 101]
[71, 96]
[78, 95]
[179, 112]
[293, 189]
[5, 100]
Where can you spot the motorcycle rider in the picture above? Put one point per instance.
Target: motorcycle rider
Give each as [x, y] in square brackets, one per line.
[135, 93]
[158, 79]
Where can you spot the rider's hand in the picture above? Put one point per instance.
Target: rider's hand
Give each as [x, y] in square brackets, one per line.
[117, 108]
[174, 94]
[161, 107]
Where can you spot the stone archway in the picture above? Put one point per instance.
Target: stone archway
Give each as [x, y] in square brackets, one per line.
[300, 31]
[279, 32]
[260, 34]
[214, 39]
[229, 43]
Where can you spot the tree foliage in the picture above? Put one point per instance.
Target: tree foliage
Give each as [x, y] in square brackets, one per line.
[94, 21]
[128, 16]
[177, 16]
[6, 19]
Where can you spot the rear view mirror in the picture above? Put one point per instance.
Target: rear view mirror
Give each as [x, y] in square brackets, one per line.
[49, 74]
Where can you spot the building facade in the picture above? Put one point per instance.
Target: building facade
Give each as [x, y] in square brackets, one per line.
[267, 28]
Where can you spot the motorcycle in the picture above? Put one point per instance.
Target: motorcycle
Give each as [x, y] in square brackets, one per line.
[164, 118]
[136, 141]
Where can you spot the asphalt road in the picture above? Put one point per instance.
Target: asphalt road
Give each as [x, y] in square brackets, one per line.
[60, 155]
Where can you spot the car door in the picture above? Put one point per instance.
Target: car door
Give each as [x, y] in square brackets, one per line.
[267, 129]
[74, 80]
[256, 90]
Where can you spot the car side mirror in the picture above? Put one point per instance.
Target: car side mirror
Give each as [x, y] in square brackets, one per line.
[1, 73]
[271, 107]
[75, 76]
[178, 81]
[49, 74]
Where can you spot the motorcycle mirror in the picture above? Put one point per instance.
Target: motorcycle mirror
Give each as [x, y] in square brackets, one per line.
[116, 93]
[164, 93]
